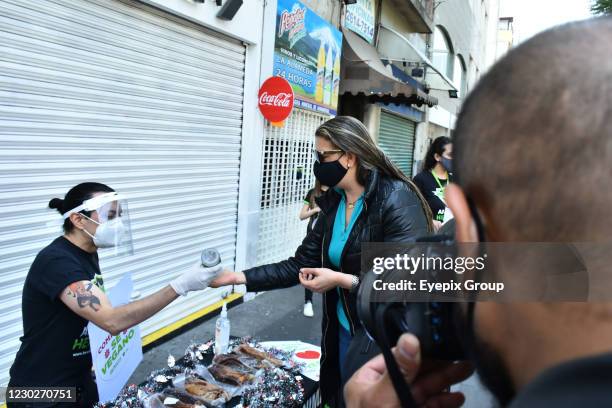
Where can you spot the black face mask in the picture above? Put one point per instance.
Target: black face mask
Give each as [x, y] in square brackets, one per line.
[329, 173]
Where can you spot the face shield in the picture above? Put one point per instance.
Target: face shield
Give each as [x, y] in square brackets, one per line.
[114, 230]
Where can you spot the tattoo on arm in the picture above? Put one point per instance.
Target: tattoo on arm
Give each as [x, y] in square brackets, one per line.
[84, 296]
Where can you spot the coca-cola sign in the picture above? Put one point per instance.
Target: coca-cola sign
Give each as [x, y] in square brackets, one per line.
[281, 99]
[276, 99]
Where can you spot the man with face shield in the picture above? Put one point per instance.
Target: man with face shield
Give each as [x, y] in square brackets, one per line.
[531, 154]
[64, 291]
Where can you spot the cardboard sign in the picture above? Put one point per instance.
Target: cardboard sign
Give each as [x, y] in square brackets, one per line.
[115, 357]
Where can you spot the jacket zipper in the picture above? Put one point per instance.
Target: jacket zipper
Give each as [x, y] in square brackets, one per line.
[345, 249]
[345, 307]
[324, 306]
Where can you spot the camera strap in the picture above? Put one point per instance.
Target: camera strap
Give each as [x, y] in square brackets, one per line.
[402, 389]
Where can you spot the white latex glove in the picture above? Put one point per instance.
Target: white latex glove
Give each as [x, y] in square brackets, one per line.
[197, 278]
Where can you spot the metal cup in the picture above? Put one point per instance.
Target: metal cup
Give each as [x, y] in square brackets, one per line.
[210, 257]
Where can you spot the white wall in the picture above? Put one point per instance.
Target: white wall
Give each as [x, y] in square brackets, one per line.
[326, 9]
[442, 117]
[245, 26]
[491, 50]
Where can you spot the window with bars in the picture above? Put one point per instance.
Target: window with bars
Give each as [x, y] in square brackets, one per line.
[286, 178]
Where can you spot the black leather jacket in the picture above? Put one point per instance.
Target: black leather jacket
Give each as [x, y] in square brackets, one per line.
[392, 212]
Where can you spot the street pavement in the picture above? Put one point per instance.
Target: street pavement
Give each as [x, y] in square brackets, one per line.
[274, 315]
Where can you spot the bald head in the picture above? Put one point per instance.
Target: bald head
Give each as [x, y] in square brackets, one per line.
[533, 143]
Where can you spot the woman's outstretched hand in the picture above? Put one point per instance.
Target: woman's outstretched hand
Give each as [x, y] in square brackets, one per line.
[227, 278]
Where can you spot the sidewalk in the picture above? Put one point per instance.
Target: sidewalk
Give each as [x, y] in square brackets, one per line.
[274, 315]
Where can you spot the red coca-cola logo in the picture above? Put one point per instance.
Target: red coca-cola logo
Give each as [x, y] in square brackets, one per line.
[276, 99]
[280, 99]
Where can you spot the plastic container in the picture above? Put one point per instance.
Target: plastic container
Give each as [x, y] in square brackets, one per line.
[222, 332]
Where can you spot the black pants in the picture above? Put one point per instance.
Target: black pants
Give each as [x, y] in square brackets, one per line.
[87, 397]
[307, 295]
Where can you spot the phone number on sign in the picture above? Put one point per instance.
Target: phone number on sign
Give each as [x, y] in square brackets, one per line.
[39, 394]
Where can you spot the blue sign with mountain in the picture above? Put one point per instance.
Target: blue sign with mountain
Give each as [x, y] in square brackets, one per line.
[307, 53]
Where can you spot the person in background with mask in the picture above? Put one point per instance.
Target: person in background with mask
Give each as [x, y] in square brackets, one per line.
[310, 211]
[435, 176]
[64, 291]
[369, 200]
[530, 354]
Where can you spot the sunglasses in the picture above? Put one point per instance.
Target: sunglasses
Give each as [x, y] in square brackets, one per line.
[321, 155]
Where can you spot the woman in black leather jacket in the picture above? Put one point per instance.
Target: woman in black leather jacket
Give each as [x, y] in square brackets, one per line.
[371, 201]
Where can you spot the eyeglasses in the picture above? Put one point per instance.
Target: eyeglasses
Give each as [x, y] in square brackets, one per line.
[321, 155]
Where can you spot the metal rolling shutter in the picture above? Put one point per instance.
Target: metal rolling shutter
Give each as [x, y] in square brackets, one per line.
[396, 139]
[286, 150]
[130, 96]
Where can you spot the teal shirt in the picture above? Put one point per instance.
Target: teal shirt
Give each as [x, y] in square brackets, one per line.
[338, 240]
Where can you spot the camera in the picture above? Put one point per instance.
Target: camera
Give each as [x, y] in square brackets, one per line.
[433, 323]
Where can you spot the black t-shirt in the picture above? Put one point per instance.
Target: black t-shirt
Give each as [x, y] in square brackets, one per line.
[309, 200]
[432, 192]
[55, 345]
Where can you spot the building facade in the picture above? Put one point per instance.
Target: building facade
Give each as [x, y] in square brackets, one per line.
[287, 159]
[463, 45]
[406, 68]
[158, 99]
[505, 35]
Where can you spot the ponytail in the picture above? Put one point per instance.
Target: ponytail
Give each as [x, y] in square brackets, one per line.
[57, 204]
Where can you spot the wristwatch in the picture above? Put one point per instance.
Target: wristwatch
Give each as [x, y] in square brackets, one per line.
[354, 283]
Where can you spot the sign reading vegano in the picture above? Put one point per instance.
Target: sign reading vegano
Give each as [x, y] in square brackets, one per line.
[115, 357]
[276, 100]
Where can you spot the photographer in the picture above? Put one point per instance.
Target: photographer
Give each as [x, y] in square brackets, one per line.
[543, 149]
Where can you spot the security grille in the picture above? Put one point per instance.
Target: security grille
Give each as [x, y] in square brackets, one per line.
[396, 139]
[286, 178]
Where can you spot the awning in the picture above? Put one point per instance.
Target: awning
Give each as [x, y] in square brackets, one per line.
[406, 52]
[364, 73]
